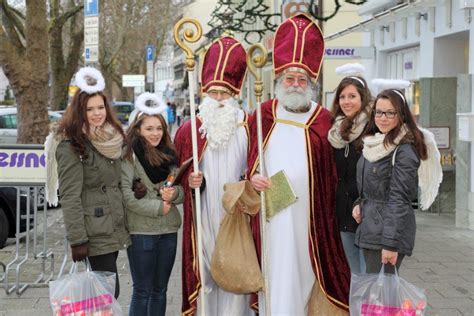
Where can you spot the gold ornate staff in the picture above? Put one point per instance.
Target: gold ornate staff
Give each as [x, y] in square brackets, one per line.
[255, 64]
[191, 36]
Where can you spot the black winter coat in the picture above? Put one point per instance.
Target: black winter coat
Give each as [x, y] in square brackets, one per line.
[346, 192]
[388, 219]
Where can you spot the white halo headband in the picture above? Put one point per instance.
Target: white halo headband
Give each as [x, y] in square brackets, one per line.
[350, 69]
[392, 84]
[358, 79]
[401, 96]
[158, 105]
[90, 80]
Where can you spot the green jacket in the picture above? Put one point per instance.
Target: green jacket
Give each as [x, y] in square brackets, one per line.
[145, 216]
[91, 200]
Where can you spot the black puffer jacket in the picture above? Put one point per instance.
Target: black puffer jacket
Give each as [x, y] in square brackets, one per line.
[346, 192]
[388, 219]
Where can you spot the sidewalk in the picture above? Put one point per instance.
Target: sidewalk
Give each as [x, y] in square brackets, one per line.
[442, 263]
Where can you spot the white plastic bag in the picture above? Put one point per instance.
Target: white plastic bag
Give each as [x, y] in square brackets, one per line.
[385, 295]
[87, 293]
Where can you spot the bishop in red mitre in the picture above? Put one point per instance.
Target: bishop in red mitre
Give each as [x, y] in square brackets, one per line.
[222, 148]
[305, 257]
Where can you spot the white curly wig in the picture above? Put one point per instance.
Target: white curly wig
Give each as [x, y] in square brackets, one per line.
[90, 80]
[155, 106]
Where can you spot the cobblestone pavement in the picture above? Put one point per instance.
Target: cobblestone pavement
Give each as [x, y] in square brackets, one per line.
[442, 263]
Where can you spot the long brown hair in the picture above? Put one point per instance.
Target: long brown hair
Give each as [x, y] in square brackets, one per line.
[365, 98]
[403, 116]
[74, 121]
[155, 157]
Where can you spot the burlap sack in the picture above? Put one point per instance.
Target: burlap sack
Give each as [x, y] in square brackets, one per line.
[319, 304]
[234, 264]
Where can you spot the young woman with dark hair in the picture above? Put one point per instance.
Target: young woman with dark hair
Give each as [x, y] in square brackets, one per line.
[84, 154]
[350, 110]
[388, 176]
[153, 219]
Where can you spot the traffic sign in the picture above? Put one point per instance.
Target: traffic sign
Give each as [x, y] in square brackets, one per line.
[91, 21]
[150, 52]
[91, 7]
[133, 80]
[91, 36]
[91, 53]
[149, 71]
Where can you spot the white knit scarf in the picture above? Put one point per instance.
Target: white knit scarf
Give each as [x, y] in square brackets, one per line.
[374, 148]
[334, 135]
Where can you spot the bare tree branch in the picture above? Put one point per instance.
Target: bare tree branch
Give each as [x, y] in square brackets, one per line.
[12, 25]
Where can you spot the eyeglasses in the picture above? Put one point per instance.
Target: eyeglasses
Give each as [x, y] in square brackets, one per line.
[302, 81]
[215, 94]
[388, 114]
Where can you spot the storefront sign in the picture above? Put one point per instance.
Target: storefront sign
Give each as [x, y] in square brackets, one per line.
[22, 165]
[441, 135]
[349, 52]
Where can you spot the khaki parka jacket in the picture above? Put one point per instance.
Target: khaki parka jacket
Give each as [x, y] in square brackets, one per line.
[91, 200]
[145, 215]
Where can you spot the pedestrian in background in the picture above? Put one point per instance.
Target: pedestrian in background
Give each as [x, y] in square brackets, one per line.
[186, 113]
[170, 117]
[179, 114]
[397, 157]
[153, 218]
[350, 110]
[84, 154]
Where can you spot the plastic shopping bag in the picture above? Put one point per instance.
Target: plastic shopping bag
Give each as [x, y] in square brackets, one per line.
[385, 295]
[87, 293]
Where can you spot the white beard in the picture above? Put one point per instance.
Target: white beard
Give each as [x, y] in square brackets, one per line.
[219, 121]
[293, 98]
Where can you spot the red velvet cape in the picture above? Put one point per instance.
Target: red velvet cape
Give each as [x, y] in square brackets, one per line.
[191, 283]
[324, 243]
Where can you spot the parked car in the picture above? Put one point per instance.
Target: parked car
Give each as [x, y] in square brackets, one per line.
[8, 212]
[8, 124]
[122, 110]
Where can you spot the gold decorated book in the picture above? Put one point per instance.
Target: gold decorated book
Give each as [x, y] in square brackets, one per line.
[280, 195]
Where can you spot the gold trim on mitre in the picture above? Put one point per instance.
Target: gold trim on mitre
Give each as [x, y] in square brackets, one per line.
[294, 69]
[307, 71]
[219, 88]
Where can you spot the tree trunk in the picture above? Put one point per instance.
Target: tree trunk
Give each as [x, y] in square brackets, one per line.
[27, 70]
[59, 85]
[62, 70]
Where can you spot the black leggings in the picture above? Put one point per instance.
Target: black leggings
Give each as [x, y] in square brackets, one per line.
[107, 262]
[373, 261]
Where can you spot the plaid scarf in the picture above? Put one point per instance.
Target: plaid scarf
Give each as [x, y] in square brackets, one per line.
[107, 140]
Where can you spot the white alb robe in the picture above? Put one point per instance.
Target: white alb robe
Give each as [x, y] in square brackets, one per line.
[220, 166]
[291, 275]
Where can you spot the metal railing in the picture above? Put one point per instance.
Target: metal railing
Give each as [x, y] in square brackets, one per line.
[24, 254]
